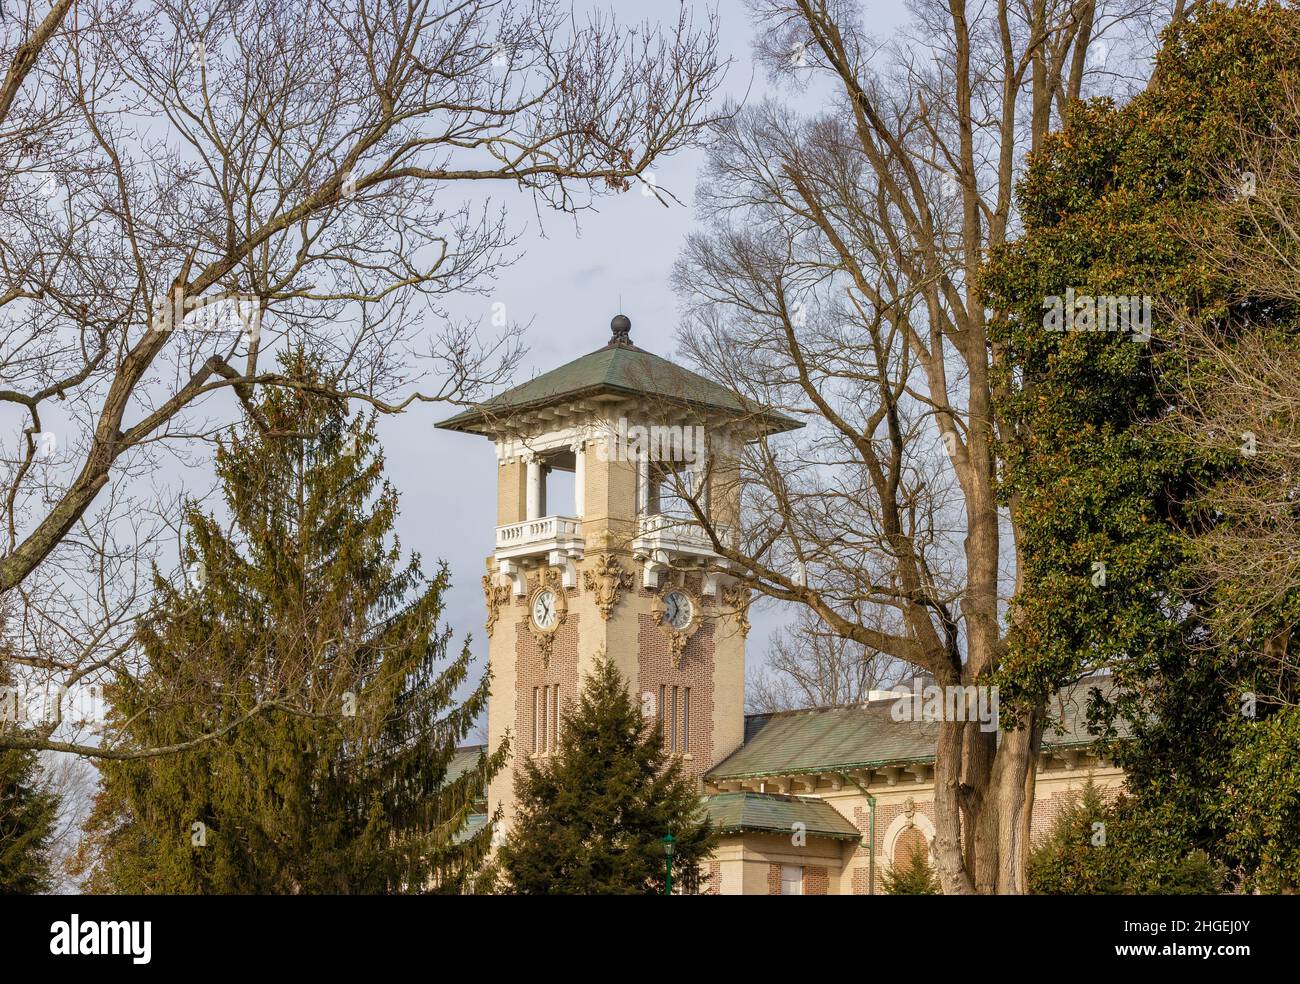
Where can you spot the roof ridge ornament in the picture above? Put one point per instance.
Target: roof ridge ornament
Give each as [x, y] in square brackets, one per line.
[620, 330]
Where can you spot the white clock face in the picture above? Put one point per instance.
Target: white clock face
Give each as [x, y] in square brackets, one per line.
[545, 609]
[678, 610]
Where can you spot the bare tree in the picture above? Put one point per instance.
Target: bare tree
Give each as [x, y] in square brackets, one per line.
[1238, 394]
[837, 281]
[187, 189]
[807, 666]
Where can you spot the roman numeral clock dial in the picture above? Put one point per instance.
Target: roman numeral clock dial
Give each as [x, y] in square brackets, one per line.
[678, 610]
[679, 617]
[545, 609]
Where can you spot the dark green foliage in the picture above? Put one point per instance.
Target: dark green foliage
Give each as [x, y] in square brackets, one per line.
[28, 812]
[303, 607]
[1262, 803]
[1093, 477]
[913, 877]
[592, 819]
[1101, 848]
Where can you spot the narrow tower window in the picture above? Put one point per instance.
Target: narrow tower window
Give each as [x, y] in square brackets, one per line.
[663, 714]
[673, 747]
[555, 717]
[686, 720]
[537, 722]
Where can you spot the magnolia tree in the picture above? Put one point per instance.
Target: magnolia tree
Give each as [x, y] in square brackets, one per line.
[837, 280]
[186, 188]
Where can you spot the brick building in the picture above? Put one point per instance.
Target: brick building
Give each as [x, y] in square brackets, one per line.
[618, 483]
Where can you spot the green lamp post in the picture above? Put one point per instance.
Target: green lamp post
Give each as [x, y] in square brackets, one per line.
[669, 843]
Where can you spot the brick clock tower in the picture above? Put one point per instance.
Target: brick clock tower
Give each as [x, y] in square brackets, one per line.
[598, 550]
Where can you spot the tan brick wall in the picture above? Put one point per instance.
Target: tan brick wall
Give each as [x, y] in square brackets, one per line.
[910, 843]
[713, 886]
[533, 672]
[512, 492]
[862, 881]
[658, 670]
[1046, 810]
[609, 503]
[816, 880]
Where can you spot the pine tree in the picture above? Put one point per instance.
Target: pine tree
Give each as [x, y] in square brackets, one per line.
[914, 877]
[592, 819]
[28, 812]
[300, 606]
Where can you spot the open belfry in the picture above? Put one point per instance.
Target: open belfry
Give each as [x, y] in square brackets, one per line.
[619, 565]
[606, 468]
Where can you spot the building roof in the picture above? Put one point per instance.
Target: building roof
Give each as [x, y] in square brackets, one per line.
[834, 739]
[464, 759]
[733, 813]
[621, 368]
[824, 739]
[473, 824]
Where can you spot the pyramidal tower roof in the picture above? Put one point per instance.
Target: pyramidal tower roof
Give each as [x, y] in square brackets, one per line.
[619, 368]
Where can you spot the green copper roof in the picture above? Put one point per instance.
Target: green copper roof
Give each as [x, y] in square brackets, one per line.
[825, 739]
[833, 739]
[620, 368]
[474, 823]
[769, 812]
[464, 759]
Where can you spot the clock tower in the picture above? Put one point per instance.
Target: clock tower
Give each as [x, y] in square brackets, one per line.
[617, 489]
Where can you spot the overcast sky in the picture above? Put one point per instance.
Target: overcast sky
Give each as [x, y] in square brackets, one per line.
[567, 285]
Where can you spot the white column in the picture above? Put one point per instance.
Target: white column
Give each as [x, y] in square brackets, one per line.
[579, 479]
[643, 483]
[534, 500]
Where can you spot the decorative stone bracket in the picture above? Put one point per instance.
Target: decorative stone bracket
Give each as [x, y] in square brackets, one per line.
[736, 599]
[655, 562]
[495, 594]
[564, 560]
[518, 579]
[606, 580]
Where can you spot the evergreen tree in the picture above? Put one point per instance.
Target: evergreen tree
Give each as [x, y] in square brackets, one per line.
[1097, 847]
[591, 820]
[1110, 503]
[301, 632]
[28, 812]
[914, 877]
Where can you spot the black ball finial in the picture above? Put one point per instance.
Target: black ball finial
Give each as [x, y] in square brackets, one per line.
[621, 327]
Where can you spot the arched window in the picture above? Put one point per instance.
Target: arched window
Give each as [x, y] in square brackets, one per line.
[907, 845]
